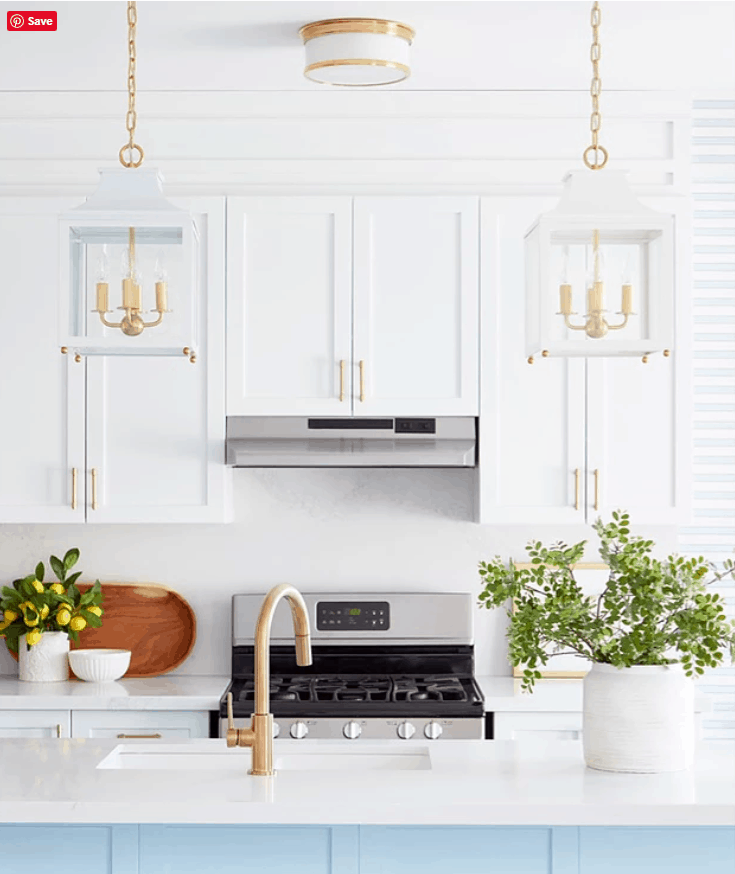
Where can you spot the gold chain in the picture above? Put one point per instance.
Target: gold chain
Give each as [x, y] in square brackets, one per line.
[131, 117]
[600, 152]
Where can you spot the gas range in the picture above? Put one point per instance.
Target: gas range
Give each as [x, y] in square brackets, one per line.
[384, 666]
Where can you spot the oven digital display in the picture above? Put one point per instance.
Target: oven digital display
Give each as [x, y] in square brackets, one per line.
[352, 616]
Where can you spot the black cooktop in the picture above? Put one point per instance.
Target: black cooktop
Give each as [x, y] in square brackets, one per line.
[375, 695]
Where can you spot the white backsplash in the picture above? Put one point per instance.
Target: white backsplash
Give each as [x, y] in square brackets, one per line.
[320, 530]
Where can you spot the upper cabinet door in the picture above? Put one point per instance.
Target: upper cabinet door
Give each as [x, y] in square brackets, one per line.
[416, 295]
[41, 390]
[155, 425]
[532, 427]
[632, 453]
[289, 306]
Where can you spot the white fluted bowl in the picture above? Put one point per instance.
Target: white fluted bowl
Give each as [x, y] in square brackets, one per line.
[99, 665]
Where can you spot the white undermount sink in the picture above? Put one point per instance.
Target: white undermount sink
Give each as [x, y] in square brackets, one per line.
[214, 756]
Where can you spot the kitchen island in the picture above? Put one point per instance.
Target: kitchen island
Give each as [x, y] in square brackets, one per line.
[375, 808]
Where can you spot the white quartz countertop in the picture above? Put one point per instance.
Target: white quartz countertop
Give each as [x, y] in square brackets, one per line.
[466, 782]
[504, 695]
[170, 692]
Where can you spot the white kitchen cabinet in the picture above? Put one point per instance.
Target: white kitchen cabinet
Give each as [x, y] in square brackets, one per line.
[41, 391]
[335, 314]
[565, 440]
[289, 306]
[35, 723]
[416, 306]
[151, 724]
[547, 726]
[123, 439]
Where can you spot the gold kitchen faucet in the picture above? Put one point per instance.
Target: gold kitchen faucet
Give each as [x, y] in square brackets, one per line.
[260, 734]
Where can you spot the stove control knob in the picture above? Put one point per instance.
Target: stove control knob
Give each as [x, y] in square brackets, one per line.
[352, 730]
[406, 731]
[299, 730]
[276, 729]
[433, 730]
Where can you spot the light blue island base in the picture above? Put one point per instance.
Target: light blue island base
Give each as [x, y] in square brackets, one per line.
[310, 849]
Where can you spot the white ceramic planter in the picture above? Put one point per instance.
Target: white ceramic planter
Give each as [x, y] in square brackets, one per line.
[47, 661]
[638, 719]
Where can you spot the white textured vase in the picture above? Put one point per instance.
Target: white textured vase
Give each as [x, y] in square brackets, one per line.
[47, 661]
[638, 719]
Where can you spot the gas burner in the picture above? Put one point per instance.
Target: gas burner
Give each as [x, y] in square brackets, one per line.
[447, 688]
[347, 688]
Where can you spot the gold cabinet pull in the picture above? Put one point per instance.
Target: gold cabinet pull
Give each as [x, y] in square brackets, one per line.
[362, 382]
[342, 364]
[141, 736]
[94, 488]
[58, 729]
[597, 489]
[577, 489]
[74, 488]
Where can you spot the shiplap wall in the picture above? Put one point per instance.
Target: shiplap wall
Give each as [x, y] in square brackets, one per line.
[712, 533]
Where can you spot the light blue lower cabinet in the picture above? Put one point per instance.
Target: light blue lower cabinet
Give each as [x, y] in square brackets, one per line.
[312, 849]
[69, 849]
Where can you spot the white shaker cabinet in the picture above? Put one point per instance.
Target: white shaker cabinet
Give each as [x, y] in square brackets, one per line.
[352, 307]
[416, 306]
[140, 724]
[35, 723]
[106, 439]
[41, 391]
[565, 440]
[289, 306]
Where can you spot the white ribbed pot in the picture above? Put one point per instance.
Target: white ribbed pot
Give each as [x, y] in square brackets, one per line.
[46, 661]
[638, 719]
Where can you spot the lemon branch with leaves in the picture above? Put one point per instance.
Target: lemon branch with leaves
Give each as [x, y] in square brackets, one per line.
[32, 607]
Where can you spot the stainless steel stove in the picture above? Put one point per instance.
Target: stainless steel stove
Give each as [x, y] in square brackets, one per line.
[384, 666]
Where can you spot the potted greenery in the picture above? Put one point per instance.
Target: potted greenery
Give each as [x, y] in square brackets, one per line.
[38, 619]
[652, 628]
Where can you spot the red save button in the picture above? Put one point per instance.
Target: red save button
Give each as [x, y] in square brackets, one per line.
[31, 21]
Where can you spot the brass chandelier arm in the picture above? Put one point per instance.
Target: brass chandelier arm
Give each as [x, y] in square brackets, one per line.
[109, 324]
[620, 326]
[574, 327]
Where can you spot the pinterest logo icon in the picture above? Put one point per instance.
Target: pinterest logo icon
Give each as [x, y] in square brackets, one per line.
[16, 20]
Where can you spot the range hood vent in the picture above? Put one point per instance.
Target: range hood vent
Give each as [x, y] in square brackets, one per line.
[256, 441]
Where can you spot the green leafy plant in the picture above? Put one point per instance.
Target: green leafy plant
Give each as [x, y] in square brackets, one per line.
[31, 606]
[650, 612]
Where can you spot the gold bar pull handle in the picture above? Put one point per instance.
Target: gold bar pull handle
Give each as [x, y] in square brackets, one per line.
[342, 365]
[141, 736]
[577, 488]
[94, 488]
[362, 382]
[74, 488]
[597, 489]
[58, 729]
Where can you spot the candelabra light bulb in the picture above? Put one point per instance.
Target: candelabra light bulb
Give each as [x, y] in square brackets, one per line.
[103, 266]
[160, 272]
[125, 265]
[564, 272]
[628, 270]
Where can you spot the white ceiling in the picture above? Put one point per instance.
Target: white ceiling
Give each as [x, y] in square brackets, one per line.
[481, 45]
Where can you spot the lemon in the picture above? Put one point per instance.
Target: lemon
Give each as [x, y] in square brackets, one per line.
[57, 588]
[44, 611]
[3, 626]
[37, 586]
[78, 623]
[10, 616]
[96, 610]
[63, 617]
[32, 637]
[31, 621]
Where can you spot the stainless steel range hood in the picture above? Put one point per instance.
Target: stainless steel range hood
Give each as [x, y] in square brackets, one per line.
[256, 441]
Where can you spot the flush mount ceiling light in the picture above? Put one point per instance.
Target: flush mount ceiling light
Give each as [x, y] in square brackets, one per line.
[600, 248]
[357, 51]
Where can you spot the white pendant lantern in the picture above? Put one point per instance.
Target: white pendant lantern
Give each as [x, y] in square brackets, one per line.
[357, 51]
[600, 266]
[129, 259]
